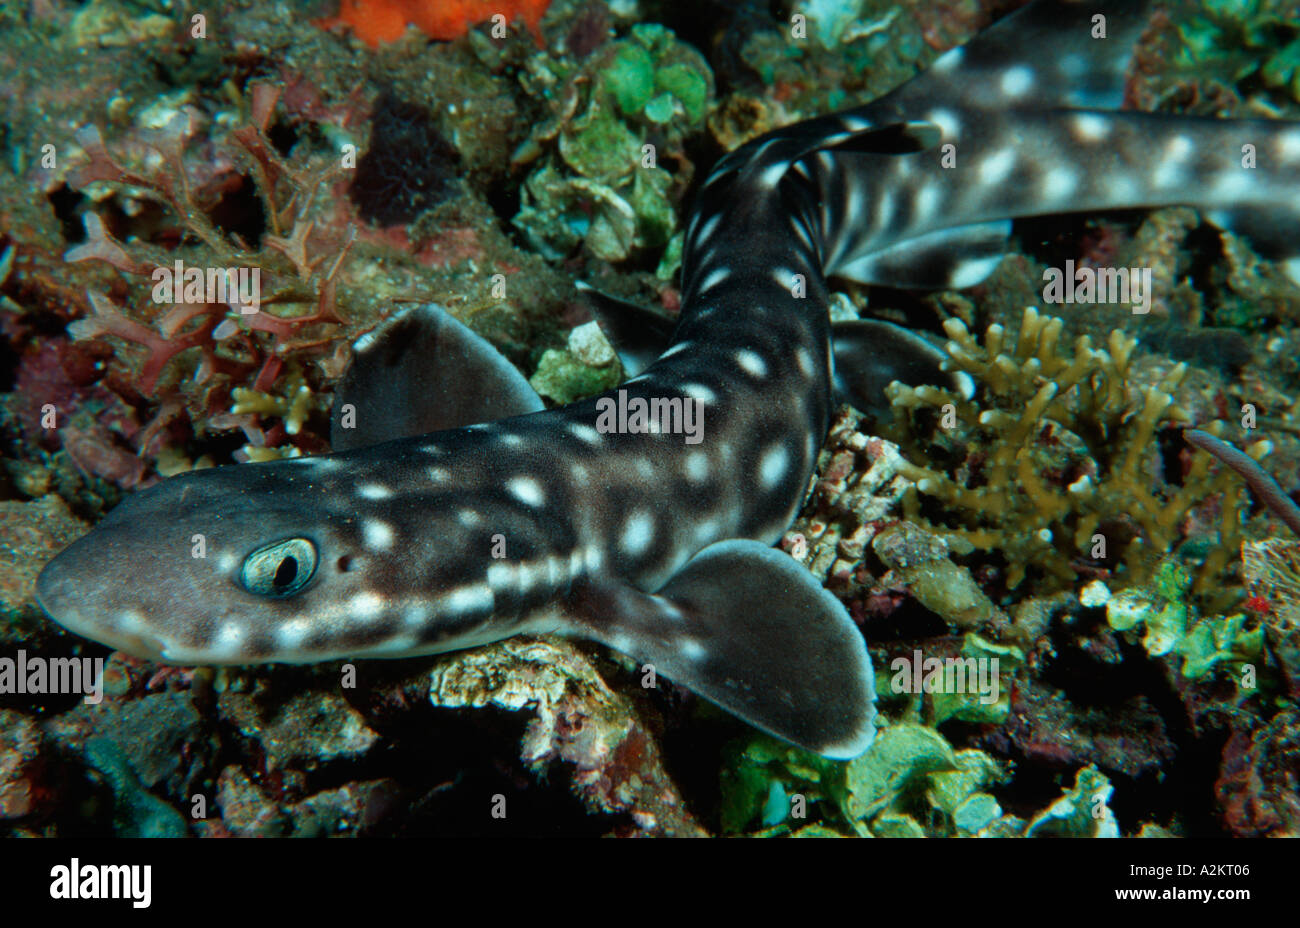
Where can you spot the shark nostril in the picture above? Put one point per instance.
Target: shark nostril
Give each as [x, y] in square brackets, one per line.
[344, 563]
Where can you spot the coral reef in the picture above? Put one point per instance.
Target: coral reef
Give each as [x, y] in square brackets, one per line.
[1053, 461]
[579, 720]
[491, 171]
[616, 116]
[910, 783]
[1173, 627]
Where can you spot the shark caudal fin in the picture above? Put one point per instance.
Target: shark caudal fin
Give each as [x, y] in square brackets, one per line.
[424, 371]
[748, 628]
[1052, 53]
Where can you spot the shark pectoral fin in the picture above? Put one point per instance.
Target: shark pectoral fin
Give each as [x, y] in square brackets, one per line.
[424, 371]
[639, 335]
[949, 259]
[870, 354]
[748, 628]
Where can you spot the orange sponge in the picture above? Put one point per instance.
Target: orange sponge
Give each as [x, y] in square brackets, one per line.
[376, 21]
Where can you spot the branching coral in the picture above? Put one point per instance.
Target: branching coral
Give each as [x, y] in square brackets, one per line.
[1055, 461]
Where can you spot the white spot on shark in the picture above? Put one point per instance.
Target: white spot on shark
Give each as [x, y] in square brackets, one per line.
[707, 532]
[774, 466]
[511, 440]
[713, 278]
[1179, 147]
[970, 272]
[885, 209]
[638, 534]
[584, 432]
[692, 649]
[1090, 127]
[947, 122]
[927, 202]
[438, 474]
[467, 599]
[417, 615]
[710, 226]
[771, 175]
[751, 362]
[1017, 81]
[1059, 183]
[1169, 173]
[228, 639]
[502, 575]
[527, 490]
[1232, 184]
[803, 358]
[949, 60]
[697, 467]
[377, 536]
[469, 518]
[801, 230]
[366, 607]
[1288, 145]
[698, 391]
[997, 167]
[291, 633]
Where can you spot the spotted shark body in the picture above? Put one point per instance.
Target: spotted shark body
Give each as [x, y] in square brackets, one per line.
[457, 511]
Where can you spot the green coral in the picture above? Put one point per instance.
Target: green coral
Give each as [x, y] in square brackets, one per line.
[617, 115]
[1248, 38]
[910, 782]
[1172, 625]
[1056, 449]
[1082, 812]
[966, 703]
[564, 378]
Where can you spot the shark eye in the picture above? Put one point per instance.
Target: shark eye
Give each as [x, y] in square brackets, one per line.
[281, 569]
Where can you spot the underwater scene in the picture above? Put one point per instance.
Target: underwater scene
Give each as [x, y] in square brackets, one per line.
[765, 418]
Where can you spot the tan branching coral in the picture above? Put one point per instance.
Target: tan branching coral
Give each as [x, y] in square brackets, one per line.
[1055, 466]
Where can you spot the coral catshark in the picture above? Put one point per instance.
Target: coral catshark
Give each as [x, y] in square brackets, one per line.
[456, 511]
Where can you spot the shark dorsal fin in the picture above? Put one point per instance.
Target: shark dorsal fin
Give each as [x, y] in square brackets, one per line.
[424, 371]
